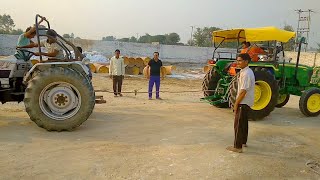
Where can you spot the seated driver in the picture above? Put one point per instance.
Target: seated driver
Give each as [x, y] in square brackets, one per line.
[253, 51]
[24, 40]
[54, 51]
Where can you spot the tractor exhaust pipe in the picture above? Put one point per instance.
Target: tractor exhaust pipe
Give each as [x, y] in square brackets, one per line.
[302, 40]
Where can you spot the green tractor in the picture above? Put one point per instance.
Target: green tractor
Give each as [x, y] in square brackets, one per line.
[276, 77]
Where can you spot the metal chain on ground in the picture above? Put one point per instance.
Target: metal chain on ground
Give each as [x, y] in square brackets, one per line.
[137, 91]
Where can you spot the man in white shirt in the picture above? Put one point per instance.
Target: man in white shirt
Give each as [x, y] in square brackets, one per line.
[54, 51]
[116, 72]
[244, 100]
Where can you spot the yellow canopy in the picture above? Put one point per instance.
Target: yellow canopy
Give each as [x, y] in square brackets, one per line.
[253, 34]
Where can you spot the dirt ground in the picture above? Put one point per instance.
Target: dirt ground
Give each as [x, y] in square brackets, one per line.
[178, 137]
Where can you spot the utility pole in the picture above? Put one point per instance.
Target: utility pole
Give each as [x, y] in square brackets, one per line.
[191, 40]
[304, 22]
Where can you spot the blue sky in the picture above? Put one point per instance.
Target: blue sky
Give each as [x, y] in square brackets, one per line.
[94, 19]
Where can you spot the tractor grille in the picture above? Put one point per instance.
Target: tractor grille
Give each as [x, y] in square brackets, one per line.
[4, 73]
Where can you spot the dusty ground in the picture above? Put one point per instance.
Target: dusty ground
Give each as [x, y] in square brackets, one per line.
[176, 138]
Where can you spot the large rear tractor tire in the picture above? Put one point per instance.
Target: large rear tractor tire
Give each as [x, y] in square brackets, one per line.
[309, 103]
[266, 95]
[59, 99]
[210, 82]
[282, 100]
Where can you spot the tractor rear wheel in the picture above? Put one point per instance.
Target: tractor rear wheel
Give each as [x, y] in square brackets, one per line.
[309, 103]
[59, 99]
[282, 100]
[265, 95]
[210, 82]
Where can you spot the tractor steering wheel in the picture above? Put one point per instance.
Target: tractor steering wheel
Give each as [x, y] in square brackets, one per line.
[25, 54]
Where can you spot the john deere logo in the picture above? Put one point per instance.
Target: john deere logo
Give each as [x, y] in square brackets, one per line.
[315, 78]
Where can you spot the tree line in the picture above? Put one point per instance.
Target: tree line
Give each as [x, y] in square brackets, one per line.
[170, 39]
[202, 37]
[7, 25]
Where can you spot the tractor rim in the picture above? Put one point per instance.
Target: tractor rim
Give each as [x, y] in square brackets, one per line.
[262, 95]
[282, 98]
[313, 103]
[60, 101]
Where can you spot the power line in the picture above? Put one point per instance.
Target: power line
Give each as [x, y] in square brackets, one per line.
[304, 25]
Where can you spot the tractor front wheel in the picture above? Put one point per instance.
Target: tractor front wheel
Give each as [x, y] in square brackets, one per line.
[309, 103]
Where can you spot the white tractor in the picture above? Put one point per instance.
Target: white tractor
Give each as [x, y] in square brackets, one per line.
[57, 93]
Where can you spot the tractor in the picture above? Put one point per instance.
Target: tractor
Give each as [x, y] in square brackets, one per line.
[57, 93]
[276, 76]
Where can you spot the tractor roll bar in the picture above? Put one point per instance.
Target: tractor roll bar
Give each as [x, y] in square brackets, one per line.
[37, 31]
[78, 55]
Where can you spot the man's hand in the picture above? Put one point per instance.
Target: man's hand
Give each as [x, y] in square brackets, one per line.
[162, 78]
[122, 77]
[235, 108]
[148, 77]
[110, 76]
[34, 44]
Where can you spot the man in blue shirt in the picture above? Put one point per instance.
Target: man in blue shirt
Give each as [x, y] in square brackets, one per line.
[24, 40]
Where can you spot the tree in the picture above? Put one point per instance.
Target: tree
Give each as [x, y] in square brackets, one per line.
[318, 47]
[172, 38]
[190, 42]
[124, 40]
[16, 32]
[6, 24]
[203, 37]
[66, 36]
[133, 39]
[145, 38]
[159, 38]
[289, 46]
[109, 38]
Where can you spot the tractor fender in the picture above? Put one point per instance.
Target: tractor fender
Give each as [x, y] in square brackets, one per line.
[77, 66]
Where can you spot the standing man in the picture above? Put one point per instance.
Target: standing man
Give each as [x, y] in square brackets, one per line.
[154, 67]
[116, 72]
[244, 100]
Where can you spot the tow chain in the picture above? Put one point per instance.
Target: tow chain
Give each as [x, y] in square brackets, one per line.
[137, 91]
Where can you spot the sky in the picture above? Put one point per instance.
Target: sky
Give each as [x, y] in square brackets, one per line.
[94, 19]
